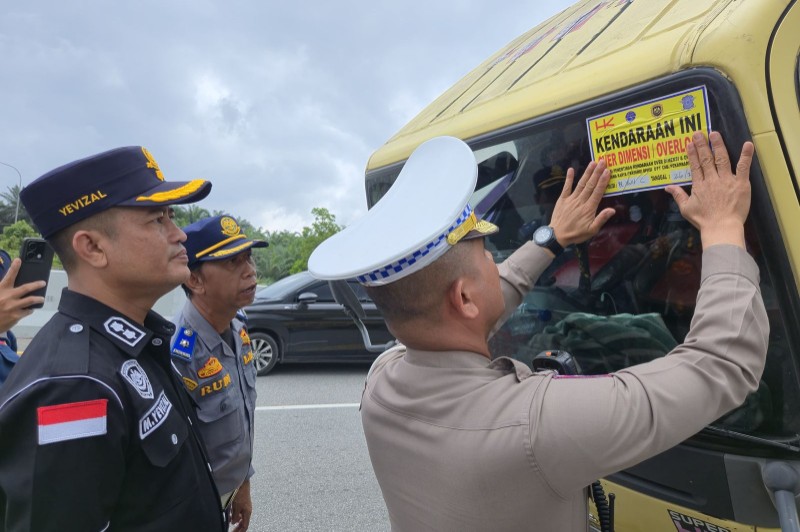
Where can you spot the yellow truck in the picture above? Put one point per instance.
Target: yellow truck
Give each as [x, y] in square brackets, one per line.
[629, 81]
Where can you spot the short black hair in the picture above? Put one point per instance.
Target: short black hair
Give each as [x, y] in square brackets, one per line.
[61, 242]
[418, 294]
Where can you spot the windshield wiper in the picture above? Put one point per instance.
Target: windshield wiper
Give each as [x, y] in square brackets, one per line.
[787, 444]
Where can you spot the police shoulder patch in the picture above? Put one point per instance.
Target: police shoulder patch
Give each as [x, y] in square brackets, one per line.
[123, 330]
[183, 345]
[135, 375]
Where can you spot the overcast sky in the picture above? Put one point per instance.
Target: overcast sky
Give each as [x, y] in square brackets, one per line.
[279, 104]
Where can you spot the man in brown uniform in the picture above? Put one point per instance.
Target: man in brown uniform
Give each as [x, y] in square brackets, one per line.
[461, 442]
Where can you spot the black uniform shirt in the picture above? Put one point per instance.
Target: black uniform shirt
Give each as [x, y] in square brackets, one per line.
[96, 431]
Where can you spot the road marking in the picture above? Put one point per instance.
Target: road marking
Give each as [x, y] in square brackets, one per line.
[308, 407]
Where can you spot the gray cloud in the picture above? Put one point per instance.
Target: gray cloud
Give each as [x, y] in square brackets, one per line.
[279, 104]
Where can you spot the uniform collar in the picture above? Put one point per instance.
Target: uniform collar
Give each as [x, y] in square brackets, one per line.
[446, 359]
[209, 336]
[466, 359]
[122, 331]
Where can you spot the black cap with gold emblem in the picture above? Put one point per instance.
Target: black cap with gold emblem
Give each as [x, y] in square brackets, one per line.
[216, 238]
[121, 177]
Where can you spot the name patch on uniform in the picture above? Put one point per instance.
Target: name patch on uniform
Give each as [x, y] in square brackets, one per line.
[211, 368]
[217, 385]
[155, 416]
[123, 330]
[183, 346]
[135, 375]
[71, 421]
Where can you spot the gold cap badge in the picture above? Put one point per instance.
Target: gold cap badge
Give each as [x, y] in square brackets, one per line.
[229, 226]
[151, 163]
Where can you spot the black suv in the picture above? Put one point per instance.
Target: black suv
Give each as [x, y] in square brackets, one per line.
[297, 320]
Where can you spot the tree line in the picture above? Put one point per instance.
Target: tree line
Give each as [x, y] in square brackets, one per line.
[288, 251]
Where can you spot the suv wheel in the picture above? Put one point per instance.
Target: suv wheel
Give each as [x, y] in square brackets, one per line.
[265, 351]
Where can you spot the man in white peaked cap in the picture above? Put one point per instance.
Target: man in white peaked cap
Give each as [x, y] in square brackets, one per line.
[462, 442]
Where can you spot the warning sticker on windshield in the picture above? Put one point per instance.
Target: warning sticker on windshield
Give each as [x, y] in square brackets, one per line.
[644, 145]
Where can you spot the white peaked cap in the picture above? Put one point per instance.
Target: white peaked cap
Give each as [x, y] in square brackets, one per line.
[424, 213]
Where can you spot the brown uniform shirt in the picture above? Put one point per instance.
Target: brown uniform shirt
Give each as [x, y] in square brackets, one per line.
[459, 443]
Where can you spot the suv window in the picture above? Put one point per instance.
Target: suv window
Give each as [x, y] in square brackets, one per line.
[283, 287]
[323, 291]
[324, 294]
[359, 291]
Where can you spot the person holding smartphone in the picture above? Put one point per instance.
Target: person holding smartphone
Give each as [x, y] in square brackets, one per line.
[96, 429]
[16, 302]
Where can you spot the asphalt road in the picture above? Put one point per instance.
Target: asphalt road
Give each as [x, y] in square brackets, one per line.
[311, 461]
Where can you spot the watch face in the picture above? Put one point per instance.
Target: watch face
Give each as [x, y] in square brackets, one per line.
[543, 235]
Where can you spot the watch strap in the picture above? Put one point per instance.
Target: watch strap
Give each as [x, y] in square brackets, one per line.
[551, 243]
[554, 246]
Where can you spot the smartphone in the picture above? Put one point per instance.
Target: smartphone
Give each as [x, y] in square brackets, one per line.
[37, 260]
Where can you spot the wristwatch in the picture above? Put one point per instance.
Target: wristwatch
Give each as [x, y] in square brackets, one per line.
[545, 236]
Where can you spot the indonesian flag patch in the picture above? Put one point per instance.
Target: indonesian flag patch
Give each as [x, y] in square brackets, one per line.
[72, 421]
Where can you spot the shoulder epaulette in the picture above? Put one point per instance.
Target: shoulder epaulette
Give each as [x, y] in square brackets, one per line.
[72, 350]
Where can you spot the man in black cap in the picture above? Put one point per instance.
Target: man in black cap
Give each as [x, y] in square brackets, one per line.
[96, 430]
[211, 350]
